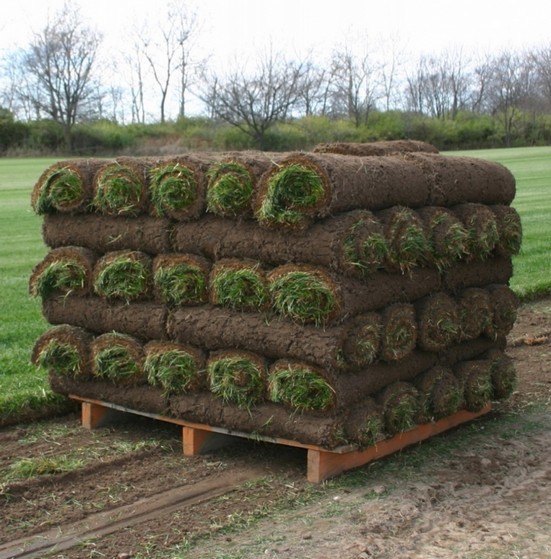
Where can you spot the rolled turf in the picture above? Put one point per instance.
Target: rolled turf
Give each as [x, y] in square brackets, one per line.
[398, 331]
[400, 402]
[481, 226]
[509, 228]
[475, 312]
[65, 350]
[143, 319]
[237, 377]
[66, 187]
[440, 391]
[176, 368]
[455, 180]
[107, 233]
[439, 323]
[389, 147]
[353, 344]
[120, 188]
[351, 243]
[503, 373]
[125, 275]
[181, 279]
[118, 358]
[239, 284]
[475, 377]
[307, 186]
[63, 271]
[232, 182]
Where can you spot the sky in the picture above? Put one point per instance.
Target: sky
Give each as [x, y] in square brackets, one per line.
[235, 31]
[238, 27]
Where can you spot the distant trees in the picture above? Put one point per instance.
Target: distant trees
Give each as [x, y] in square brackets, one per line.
[55, 71]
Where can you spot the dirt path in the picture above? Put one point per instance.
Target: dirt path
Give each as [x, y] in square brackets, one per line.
[482, 491]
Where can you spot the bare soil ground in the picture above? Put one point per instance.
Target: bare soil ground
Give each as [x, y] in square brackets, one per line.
[482, 491]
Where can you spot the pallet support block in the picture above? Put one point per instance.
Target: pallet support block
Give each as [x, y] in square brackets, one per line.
[322, 463]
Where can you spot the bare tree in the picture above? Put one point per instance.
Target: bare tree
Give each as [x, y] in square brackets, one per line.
[58, 67]
[542, 61]
[511, 84]
[439, 86]
[356, 84]
[167, 51]
[254, 102]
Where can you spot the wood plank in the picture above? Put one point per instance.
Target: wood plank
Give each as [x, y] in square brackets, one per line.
[323, 464]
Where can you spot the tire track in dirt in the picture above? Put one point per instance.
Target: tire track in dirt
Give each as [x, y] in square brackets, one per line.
[107, 522]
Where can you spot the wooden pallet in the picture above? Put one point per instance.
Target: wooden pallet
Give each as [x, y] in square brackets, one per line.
[198, 438]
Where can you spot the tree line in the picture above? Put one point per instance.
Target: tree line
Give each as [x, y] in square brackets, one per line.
[58, 93]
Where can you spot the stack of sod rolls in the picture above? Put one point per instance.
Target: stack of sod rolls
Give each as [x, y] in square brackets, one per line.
[329, 298]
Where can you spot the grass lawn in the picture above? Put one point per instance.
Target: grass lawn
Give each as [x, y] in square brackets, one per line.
[23, 389]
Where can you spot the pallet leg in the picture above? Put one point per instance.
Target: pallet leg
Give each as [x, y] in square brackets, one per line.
[95, 415]
[199, 441]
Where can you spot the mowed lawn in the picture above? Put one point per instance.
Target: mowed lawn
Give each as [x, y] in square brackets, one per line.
[24, 388]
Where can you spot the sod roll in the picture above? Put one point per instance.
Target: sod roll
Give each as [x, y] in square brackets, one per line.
[389, 147]
[118, 358]
[353, 344]
[307, 186]
[439, 324]
[475, 378]
[440, 393]
[63, 271]
[123, 275]
[181, 279]
[65, 187]
[456, 180]
[121, 188]
[237, 377]
[65, 350]
[232, 182]
[176, 368]
[143, 319]
[107, 233]
[401, 406]
[351, 243]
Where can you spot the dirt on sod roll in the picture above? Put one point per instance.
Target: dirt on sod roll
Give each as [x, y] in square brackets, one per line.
[509, 229]
[389, 147]
[144, 319]
[309, 294]
[398, 331]
[181, 279]
[353, 344]
[106, 233]
[63, 271]
[470, 349]
[481, 226]
[306, 186]
[123, 275]
[239, 284]
[475, 377]
[455, 180]
[64, 349]
[475, 312]
[439, 323]
[400, 402]
[232, 182]
[66, 186]
[447, 236]
[139, 397]
[120, 187]
[118, 358]
[176, 368]
[406, 237]
[237, 377]
[333, 243]
[477, 273]
[365, 424]
[266, 419]
[440, 393]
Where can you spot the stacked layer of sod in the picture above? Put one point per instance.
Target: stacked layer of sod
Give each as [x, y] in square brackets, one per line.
[335, 297]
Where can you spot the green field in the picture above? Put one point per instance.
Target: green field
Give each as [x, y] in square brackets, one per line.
[23, 388]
